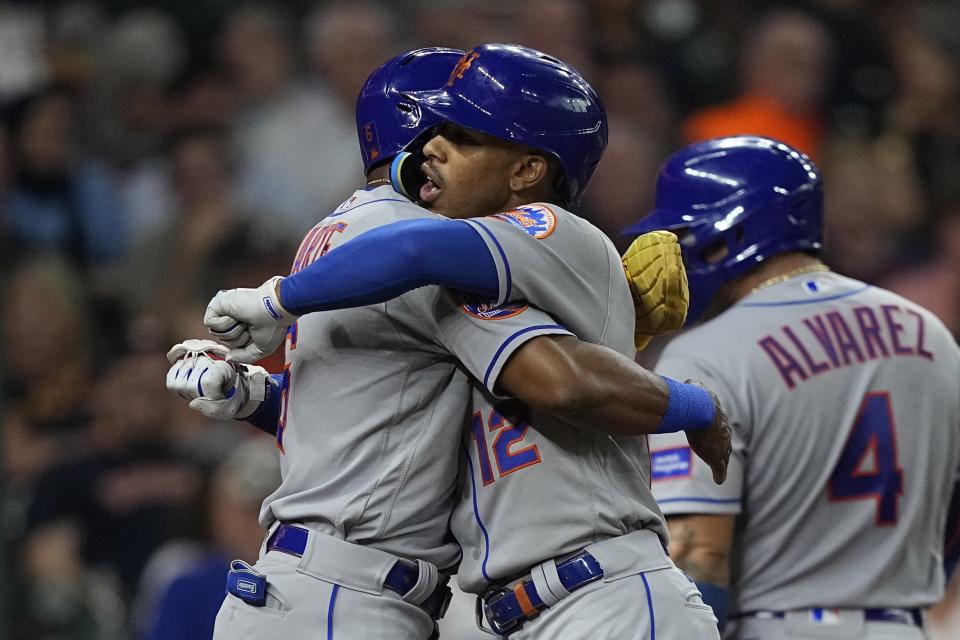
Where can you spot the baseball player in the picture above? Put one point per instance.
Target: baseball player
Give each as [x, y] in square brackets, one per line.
[843, 399]
[559, 530]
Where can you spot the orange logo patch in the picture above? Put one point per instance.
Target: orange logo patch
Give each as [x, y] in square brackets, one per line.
[484, 310]
[537, 220]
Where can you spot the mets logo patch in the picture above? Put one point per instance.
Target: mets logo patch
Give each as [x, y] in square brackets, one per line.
[667, 464]
[537, 220]
[484, 310]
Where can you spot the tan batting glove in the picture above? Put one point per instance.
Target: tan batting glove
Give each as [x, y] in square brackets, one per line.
[658, 284]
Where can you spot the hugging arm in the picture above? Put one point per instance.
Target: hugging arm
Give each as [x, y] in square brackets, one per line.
[598, 389]
[385, 262]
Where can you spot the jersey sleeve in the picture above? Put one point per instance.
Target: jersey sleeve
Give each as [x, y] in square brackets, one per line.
[481, 335]
[552, 260]
[681, 482]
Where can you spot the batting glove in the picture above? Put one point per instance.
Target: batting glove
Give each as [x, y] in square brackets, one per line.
[658, 284]
[252, 322]
[216, 388]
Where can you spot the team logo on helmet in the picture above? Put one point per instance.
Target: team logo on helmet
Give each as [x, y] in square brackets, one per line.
[462, 65]
[485, 310]
[537, 220]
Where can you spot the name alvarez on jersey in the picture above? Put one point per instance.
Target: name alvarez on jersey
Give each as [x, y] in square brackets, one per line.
[834, 339]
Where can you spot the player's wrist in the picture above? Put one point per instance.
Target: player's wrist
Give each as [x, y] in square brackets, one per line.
[689, 408]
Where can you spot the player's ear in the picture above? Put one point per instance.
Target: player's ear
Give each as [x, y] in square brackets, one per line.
[529, 171]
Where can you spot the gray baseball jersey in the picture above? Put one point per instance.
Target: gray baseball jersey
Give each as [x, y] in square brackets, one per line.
[534, 488]
[374, 403]
[846, 419]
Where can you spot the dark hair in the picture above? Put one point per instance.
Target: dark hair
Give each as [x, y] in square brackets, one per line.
[559, 190]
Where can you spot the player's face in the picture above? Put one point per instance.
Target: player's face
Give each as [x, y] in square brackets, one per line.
[468, 172]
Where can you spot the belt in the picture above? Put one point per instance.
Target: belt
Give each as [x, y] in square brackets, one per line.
[401, 578]
[903, 616]
[507, 609]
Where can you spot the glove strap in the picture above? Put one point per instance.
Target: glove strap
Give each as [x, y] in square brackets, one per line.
[270, 299]
[254, 384]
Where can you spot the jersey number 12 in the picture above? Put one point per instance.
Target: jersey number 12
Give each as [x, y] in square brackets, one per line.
[868, 467]
[508, 453]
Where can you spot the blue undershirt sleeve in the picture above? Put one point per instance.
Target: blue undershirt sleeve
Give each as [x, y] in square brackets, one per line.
[951, 552]
[383, 263]
[267, 416]
[718, 597]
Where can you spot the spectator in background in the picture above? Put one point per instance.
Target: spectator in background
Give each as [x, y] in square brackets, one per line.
[6, 181]
[207, 239]
[345, 41]
[60, 200]
[112, 504]
[62, 597]
[459, 24]
[74, 30]
[935, 283]
[636, 93]
[22, 65]
[623, 185]
[925, 113]
[296, 144]
[137, 61]
[173, 264]
[640, 112]
[187, 604]
[47, 366]
[616, 27]
[558, 28]
[47, 348]
[783, 71]
[862, 175]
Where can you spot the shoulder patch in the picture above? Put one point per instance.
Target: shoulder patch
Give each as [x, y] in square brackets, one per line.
[669, 464]
[484, 310]
[537, 220]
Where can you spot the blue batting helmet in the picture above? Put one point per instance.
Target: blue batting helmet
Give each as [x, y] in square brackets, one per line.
[525, 96]
[737, 201]
[387, 118]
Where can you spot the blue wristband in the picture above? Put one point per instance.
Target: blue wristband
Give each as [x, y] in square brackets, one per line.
[690, 408]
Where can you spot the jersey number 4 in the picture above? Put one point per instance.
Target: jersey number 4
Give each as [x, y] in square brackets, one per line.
[507, 453]
[867, 467]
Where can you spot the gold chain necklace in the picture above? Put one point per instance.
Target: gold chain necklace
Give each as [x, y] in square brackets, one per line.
[783, 277]
[378, 181]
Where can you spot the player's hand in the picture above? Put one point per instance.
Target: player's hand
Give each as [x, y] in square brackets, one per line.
[214, 387]
[252, 322]
[714, 444]
[658, 284]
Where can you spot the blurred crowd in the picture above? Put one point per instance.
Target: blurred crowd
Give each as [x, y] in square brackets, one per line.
[154, 152]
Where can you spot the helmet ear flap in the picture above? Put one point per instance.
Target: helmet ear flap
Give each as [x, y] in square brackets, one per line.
[388, 117]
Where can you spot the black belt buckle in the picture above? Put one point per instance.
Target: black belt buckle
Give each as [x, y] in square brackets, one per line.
[438, 602]
[485, 610]
[447, 598]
